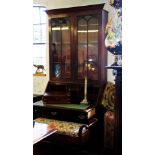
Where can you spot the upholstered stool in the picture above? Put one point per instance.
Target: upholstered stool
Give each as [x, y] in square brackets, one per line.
[68, 132]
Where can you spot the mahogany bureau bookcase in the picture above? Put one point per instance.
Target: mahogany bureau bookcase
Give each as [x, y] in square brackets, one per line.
[76, 52]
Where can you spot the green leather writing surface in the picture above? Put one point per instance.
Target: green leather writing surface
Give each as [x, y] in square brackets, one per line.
[72, 106]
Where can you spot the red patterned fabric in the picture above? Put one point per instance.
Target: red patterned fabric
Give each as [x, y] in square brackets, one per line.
[109, 120]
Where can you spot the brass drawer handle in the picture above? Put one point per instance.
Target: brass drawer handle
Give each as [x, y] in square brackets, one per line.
[81, 116]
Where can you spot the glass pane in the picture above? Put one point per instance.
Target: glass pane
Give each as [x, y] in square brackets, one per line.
[36, 34]
[61, 48]
[93, 30]
[43, 15]
[93, 48]
[39, 54]
[56, 70]
[56, 32]
[36, 15]
[65, 35]
[39, 61]
[65, 30]
[56, 40]
[55, 52]
[82, 46]
[66, 68]
[43, 33]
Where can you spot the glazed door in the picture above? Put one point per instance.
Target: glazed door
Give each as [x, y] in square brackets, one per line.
[87, 37]
[60, 64]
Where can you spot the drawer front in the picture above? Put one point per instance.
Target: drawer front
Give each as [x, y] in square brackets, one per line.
[63, 114]
[56, 99]
[51, 113]
[84, 117]
[81, 117]
[73, 116]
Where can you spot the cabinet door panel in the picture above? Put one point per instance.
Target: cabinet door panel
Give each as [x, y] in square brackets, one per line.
[60, 56]
[88, 47]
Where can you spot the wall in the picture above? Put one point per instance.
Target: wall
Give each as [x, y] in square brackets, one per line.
[52, 4]
[71, 3]
[39, 83]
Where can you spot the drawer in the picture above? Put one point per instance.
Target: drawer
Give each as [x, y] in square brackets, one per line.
[73, 116]
[51, 113]
[82, 117]
[56, 99]
[64, 114]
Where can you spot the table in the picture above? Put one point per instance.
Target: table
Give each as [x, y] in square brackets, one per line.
[41, 131]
